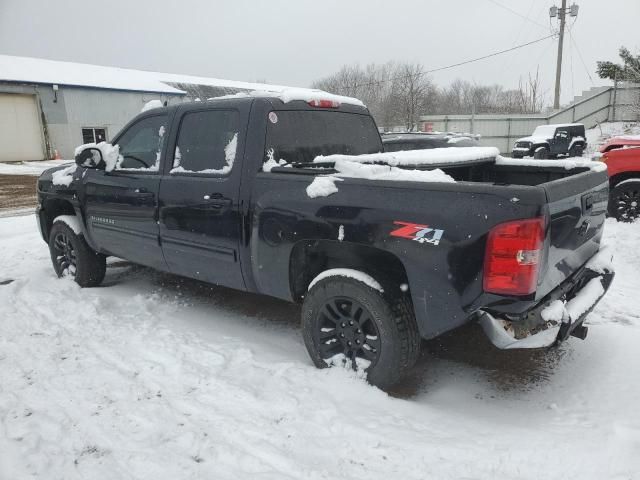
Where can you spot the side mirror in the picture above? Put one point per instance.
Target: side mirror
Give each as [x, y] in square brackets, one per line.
[90, 158]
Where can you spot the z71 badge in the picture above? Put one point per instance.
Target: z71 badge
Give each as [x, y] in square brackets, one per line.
[417, 232]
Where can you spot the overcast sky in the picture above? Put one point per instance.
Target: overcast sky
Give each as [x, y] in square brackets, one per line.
[294, 42]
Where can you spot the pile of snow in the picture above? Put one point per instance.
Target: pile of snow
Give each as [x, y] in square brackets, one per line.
[156, 377]
[432, 156]
[64, 176]
[567, 164]
[323, 186]
[151, 104]
[292, 94]
[368, 167]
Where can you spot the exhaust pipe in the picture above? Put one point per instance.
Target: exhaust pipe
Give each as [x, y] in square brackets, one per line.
[580, 332]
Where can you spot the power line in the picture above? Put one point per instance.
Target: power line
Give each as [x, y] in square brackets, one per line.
[586, 69]
[509, 9]
[484, 57]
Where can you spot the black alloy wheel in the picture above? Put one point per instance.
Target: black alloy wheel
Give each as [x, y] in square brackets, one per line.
[65, 255]
[625, 202]
[345, 326]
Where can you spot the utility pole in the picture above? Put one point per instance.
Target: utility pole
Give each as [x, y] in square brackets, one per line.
[561, 13]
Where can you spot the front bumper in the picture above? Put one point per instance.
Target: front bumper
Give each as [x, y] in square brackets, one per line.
[561, 313]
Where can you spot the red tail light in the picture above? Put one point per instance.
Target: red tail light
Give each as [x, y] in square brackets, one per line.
[512, 257]
[324, 103]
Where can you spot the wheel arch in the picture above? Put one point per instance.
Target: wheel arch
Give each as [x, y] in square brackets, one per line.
[622, 176]
[52, 208]
[310, 258]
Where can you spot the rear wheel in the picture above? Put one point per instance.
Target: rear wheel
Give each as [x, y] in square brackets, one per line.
[348, 323]
[71, 256]
[541, 153]
[624, 201]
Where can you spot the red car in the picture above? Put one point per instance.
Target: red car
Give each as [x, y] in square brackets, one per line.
[622, 156]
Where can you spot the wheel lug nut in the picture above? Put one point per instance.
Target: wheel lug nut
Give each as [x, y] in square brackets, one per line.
[343, 324]
[349, 343]
[358, 342]
[358, 331]
[351, 322]
[342, 335]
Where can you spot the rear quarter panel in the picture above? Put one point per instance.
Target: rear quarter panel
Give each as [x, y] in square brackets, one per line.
[445, 279]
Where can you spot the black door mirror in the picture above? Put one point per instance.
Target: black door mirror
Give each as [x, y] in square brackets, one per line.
[90, 158]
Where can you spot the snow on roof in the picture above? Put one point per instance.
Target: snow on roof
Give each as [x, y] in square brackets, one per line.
[418, 157]
[39, 70]
[290, 94]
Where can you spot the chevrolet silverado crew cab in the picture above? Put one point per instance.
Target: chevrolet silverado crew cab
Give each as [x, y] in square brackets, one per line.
[287, 194]
[549, 141]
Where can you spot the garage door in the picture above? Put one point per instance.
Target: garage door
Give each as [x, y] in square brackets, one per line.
[20, 132]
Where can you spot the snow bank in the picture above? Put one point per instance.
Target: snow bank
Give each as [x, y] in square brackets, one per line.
[64, 176]
[349, 273]
[151, 104]
[322, 186]
[418, 157]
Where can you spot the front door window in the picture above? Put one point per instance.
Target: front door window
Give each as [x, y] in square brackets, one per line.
[142, 144]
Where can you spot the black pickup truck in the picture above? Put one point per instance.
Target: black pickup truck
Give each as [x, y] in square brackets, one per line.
[220, 191]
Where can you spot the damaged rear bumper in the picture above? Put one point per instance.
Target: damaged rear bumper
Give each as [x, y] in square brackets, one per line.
[561, 313]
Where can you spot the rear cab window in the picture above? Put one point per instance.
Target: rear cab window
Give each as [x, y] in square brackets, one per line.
[299, 136]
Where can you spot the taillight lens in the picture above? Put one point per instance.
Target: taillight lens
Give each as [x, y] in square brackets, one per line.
[512, 258]
[324, 103]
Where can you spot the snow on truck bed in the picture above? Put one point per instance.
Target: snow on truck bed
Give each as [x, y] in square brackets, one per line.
[156, 377]
[418, 157]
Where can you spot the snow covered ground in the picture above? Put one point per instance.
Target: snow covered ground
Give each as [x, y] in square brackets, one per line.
[30, 168]
[155, 377]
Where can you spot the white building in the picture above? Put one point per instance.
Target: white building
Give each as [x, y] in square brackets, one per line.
[49, 107]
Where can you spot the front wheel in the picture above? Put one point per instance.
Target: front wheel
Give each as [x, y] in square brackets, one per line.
[71, 256]
[624, 201]
[347, 322]
[541, 153]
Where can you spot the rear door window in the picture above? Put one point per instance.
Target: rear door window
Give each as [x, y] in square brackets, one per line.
[300, 136]
[207, 142]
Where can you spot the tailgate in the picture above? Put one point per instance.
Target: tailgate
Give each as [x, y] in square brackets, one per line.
[577, 206]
